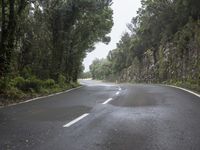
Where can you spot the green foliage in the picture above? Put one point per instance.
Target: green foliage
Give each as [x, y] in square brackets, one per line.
[29, 85]
[13, 93]
[73, 85]
[53, 40]
[4, 84]
[100, 69]
[49, 83]
[61, 80]
[26, 72]
[16, 81]
[86, 75]
[19, 88]
[161, 47]
[47, 43]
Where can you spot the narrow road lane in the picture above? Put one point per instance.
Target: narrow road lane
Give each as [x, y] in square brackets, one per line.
[105, 116]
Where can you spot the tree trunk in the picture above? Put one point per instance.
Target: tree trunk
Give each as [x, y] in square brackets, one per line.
[3, 40]
[11, 34]
[7, 37]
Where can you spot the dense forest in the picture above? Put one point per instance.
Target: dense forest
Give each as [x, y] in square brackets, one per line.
[43, 42]
[162, 46]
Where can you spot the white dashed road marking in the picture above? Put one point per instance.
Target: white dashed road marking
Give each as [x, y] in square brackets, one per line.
[75, 121]
[107, 101]
[117, 93]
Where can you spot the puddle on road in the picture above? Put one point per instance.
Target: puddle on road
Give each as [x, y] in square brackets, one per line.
[139, 97]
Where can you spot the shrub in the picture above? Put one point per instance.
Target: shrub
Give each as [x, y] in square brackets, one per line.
[45, 91]
[26, 72]
[4, 84]
[16, 81]
[14, 93]
[73, 84]
[61, 80]
[50, 83]
[29, 85]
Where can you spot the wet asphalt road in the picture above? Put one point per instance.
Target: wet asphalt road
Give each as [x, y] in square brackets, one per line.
[138, 117]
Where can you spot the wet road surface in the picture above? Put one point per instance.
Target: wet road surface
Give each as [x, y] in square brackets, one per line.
[105, 116]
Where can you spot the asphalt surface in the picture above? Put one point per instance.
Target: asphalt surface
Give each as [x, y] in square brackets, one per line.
[135, 117]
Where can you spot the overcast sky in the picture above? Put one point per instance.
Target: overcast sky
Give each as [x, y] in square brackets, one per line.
[124, 11]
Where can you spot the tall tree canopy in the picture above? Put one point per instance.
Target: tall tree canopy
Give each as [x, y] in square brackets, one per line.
[162, 45]
[43, 42]
[52, 37]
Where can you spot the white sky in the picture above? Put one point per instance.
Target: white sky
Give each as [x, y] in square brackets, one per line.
[124, 11]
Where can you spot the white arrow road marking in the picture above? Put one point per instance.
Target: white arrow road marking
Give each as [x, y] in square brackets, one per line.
[75, 120]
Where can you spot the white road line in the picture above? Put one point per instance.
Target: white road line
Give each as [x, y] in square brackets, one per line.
[184, 90]
[75, 121]
[117, 93]
[110, 99]
[37, 98]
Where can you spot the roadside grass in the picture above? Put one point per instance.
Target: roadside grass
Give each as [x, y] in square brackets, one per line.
[19, 89]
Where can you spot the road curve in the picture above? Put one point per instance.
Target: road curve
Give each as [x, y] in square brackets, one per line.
[105, 116]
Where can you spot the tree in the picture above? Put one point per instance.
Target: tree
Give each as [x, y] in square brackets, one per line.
[49, 39]
[163, 44]
[10, 13]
